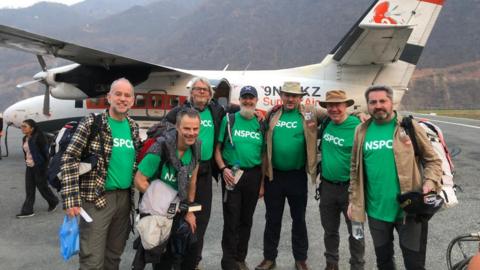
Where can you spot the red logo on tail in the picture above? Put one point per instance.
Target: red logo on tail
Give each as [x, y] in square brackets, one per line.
[381, 14]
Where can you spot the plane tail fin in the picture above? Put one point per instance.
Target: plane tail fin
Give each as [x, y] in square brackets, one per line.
[384, 45]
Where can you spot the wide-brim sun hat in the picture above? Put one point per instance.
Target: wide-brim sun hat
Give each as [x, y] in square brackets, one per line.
[336, 96]
[292, 88]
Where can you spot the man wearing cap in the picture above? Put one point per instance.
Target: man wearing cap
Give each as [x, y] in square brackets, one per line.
[291, 154]
[211, 113]
[336, 142]
[384, 166]
[239, 151]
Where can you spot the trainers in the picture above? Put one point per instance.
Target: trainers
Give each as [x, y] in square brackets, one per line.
[53, 207]
[242, 265]
[301, 265]
[25, 215]
[266, 265]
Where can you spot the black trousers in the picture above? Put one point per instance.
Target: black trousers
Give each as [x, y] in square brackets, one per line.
[290, 185]
[36, 177]
[333, 203]
[203, 196]
[413, 242]
[238, 209]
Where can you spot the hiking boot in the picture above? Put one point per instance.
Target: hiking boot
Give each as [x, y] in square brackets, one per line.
[331, 266]
[242, 265]
[301, 265]
[25, 215]
[266, 265]
[53, 207]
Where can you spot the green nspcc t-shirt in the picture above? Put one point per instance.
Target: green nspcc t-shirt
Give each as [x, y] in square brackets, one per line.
[382, 186]
[337, 142]
[207, 133]
[150, 163]
[247, 142]
[120, 168]
[288, 142]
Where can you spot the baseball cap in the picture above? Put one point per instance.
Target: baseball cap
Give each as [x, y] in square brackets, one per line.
[248, 90]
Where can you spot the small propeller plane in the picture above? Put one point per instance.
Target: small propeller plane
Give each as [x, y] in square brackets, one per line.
[382, 47]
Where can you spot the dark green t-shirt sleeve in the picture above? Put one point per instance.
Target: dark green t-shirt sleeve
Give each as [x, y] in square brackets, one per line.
[221, 133]
[149, 165]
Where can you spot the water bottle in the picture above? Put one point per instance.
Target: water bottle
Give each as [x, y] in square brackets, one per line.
[357, 230]
[235, 168]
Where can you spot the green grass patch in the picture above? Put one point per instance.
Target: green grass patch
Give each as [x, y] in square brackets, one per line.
[472, 114]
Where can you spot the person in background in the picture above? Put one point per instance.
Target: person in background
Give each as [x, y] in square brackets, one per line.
[35, 150]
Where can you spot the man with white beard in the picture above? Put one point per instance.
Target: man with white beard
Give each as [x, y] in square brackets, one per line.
[238, 154]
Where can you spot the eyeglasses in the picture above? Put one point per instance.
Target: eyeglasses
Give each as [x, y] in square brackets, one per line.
[23, 126]
[200, 88]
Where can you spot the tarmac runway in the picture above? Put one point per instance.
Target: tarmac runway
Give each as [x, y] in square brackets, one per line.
[33, 243]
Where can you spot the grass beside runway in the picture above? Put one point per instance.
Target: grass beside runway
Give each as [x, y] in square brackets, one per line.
[472, 114]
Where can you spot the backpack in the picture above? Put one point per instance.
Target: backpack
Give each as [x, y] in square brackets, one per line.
[155, 131]
[59, 146]
[435, 135]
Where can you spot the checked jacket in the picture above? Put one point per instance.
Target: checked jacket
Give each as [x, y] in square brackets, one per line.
[90, 186]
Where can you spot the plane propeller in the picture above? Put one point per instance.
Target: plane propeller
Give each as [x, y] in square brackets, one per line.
[41, 77]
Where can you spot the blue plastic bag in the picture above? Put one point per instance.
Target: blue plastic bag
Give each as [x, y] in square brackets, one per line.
[69, 237]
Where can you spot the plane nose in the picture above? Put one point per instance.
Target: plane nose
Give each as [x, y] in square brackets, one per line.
[13, 115]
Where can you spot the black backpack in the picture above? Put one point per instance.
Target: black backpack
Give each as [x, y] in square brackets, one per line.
[59, 146]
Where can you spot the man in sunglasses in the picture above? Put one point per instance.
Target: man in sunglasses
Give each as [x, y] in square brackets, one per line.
[211, 114]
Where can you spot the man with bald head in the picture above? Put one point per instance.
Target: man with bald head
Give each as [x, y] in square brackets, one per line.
[105, 192]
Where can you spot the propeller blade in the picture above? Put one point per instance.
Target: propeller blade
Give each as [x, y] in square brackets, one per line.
[46, 101]
[42, 62]
[21, 85]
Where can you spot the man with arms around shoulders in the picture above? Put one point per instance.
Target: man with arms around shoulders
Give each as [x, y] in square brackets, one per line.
[291, 132]
[211, 114]
[239, 151]
[336, 140]
[105, 192]
[173, 159]
[384, 166]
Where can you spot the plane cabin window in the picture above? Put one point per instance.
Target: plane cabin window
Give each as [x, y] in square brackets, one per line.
[140, 101]
[157, 101]
[78, 103]
[174, 101]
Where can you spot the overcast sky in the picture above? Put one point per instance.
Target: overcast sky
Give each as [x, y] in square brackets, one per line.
[27, 3]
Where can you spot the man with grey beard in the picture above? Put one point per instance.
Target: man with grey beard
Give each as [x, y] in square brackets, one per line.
[238, 154]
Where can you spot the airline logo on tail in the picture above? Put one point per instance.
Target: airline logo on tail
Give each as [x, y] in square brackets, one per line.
[383, 13]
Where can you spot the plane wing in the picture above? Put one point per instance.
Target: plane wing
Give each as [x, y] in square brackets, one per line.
[96, 67]
[41, 45]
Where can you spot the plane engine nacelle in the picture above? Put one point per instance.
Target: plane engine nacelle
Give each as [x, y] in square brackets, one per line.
[67, 91]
